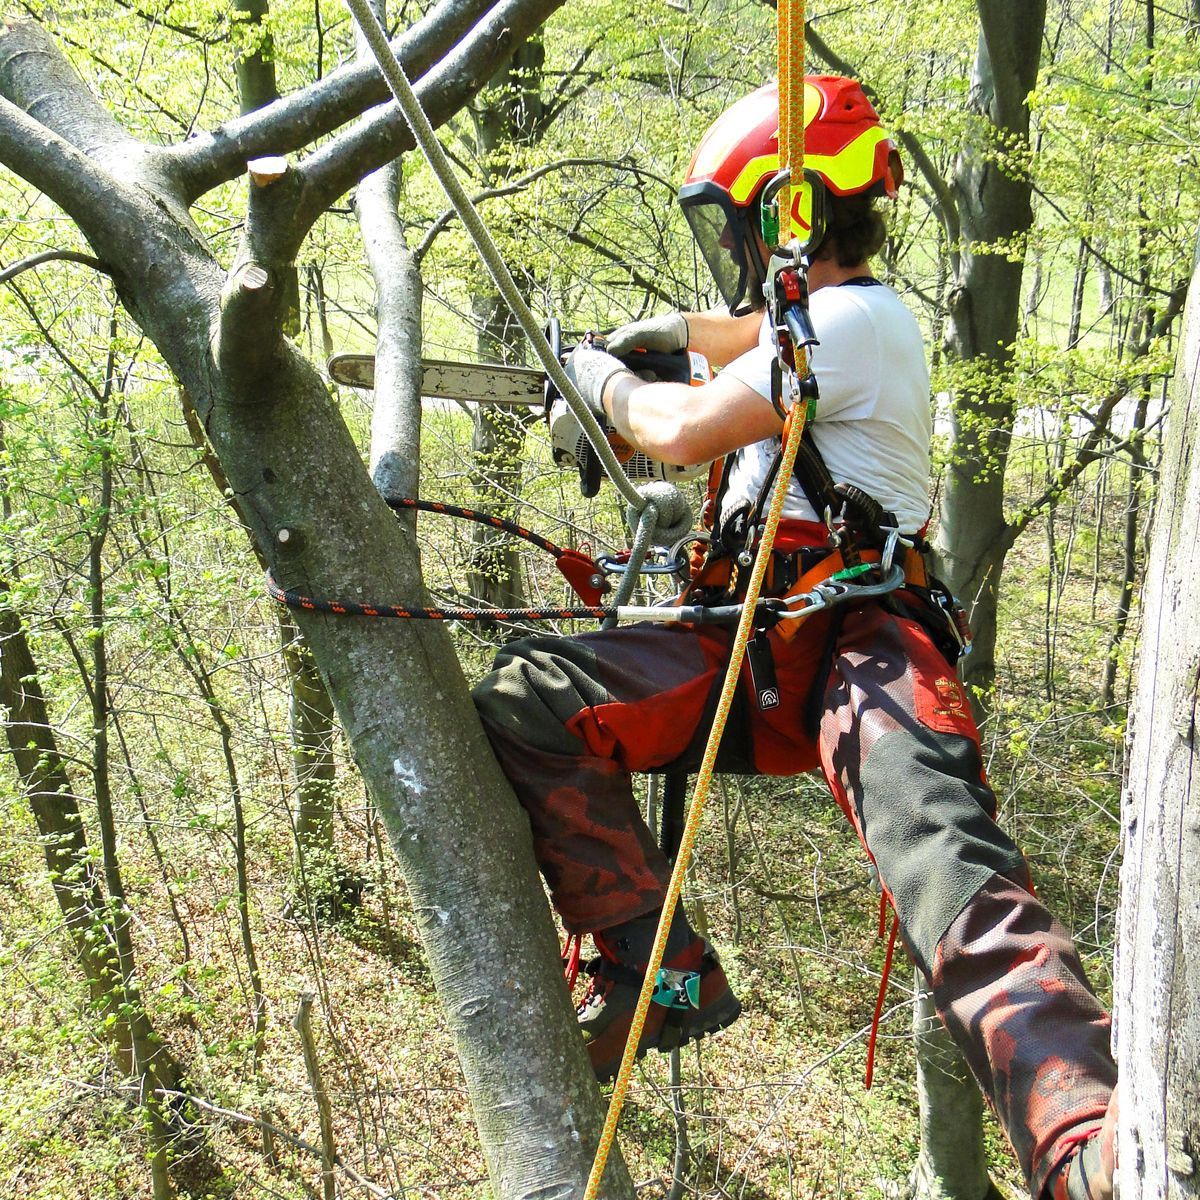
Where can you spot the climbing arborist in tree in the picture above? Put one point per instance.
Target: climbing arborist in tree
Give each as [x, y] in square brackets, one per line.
[866, 691]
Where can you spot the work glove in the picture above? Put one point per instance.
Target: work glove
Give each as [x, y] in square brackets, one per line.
[589, 370]
[663, 335]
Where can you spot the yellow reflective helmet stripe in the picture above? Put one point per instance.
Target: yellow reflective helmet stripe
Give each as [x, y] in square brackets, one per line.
[850, 170]
[750, 175]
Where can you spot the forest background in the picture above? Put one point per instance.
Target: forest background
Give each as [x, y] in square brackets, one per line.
[212, 967]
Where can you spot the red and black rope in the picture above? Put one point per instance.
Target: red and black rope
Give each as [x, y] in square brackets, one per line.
[400, 503]
[582, 572]
[351, 608]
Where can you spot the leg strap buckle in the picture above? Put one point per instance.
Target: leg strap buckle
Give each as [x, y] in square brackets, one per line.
[676, 989]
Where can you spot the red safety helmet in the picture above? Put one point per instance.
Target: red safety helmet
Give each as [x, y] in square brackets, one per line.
[846, 151]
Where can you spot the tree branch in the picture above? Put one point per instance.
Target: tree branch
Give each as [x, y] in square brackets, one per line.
[48, 161]
[1101, 257]
[512, 188]
[275, 1131]
[380, 137]
[396, 415]
[35, 77]
[644, 282]
[295, 121]
[36, 260]
[249, 341]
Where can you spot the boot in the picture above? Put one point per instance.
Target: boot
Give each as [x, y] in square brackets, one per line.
[692, 997]
[1089, 1172]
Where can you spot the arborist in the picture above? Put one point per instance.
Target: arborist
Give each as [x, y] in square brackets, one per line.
[867, 691]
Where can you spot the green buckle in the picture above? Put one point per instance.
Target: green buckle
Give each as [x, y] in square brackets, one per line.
[851, 572]
[676, 989]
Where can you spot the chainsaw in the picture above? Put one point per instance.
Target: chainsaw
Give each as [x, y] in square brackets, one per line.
[528, 387]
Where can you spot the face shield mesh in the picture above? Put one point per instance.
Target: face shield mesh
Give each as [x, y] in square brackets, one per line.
[718, 235]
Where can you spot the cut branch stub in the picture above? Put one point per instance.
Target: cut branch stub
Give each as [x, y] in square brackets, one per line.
[266, 170]
[250, 338]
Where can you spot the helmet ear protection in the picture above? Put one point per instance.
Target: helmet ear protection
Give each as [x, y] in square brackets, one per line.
[808, 209]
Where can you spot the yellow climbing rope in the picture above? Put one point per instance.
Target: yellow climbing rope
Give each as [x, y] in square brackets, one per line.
[791, 155]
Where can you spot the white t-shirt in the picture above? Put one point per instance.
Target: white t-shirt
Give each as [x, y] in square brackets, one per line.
[873, 422]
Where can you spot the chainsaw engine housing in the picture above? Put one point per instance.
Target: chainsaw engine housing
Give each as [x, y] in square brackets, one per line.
[571, 447]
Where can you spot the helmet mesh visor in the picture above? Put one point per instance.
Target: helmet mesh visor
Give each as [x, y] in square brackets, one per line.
[720, 242]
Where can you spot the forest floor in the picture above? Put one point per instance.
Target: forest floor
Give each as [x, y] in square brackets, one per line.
[775, 1105]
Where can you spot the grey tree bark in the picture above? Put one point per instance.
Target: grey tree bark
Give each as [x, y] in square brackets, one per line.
[991, 193]
[311, 720]
[952, 1164]
[318, 520]
[1158, 960]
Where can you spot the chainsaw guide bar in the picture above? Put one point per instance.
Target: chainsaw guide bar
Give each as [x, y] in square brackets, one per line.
[476, 383]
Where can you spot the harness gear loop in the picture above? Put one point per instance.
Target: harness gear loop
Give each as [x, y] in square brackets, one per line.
[422, 131]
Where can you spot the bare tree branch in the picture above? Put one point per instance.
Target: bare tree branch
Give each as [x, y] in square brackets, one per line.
[636, 277]
[36, 260]
[1099, 255]
[36, 77]
[297, 120]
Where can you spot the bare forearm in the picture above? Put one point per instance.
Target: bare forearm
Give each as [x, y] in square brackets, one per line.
[676, 423]
[720, 337]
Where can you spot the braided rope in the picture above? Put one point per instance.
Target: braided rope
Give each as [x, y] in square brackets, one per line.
[647, 523]
[791, 149]
[791, 105]
[353, 608]
[695, 809]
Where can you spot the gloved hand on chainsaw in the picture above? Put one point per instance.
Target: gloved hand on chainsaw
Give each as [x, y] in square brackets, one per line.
[590, 370]
[667, 334]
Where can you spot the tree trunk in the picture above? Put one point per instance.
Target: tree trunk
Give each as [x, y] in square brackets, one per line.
[98, 929]
[992, 198]
[1158, 962]
[461, 837]
[950, 1166]
[314, 773]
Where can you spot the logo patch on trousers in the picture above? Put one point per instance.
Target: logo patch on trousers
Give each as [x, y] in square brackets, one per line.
[950, 695]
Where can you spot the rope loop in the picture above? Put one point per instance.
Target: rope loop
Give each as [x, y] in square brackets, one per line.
[674, 512]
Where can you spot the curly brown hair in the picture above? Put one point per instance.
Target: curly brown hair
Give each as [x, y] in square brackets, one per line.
[854, 230]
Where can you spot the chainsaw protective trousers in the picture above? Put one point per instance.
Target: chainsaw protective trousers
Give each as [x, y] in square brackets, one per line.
[873, 703]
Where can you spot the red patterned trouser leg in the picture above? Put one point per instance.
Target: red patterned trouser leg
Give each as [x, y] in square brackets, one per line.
[1011, 989]
[570, 718]
[901, 753]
